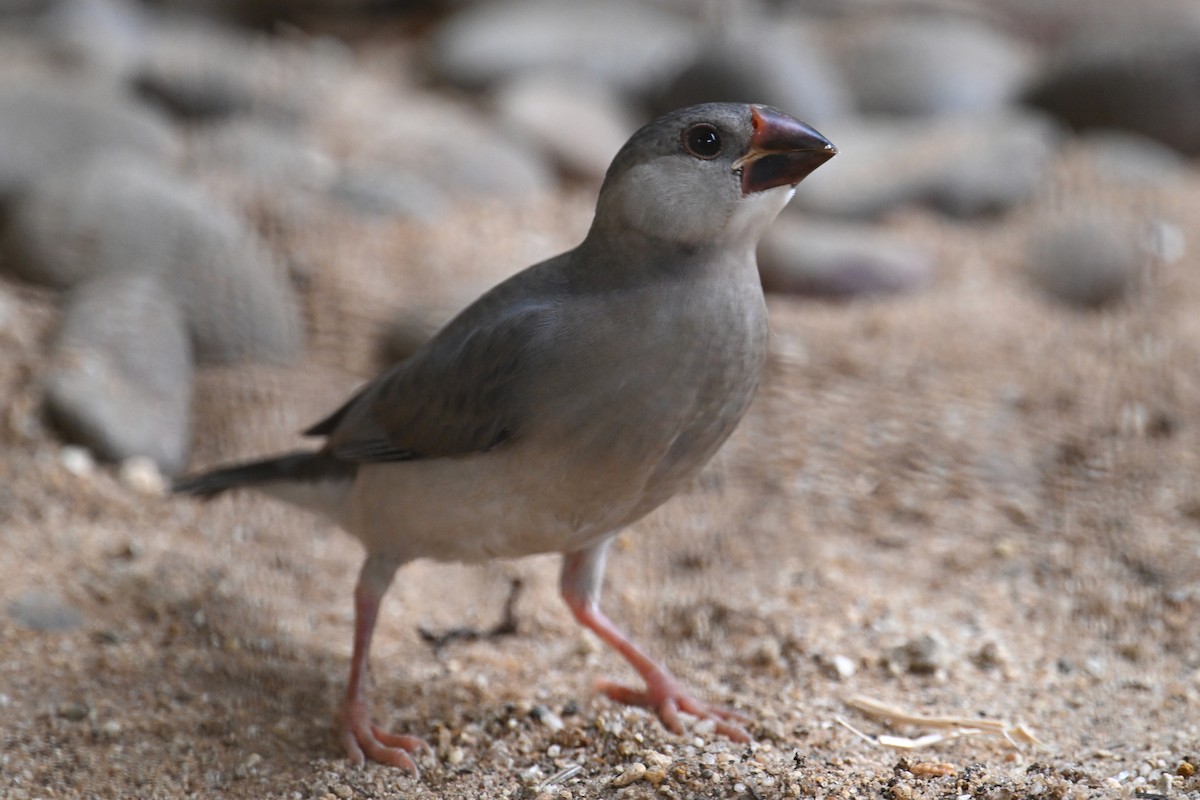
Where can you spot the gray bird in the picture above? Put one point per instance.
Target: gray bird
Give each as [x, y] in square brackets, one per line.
[570, 400]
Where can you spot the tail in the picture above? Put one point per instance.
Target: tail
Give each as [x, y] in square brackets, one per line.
[313, 479]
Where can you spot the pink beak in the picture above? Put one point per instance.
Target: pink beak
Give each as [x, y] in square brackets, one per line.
[783, 151]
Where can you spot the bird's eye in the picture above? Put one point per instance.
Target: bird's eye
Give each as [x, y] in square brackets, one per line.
[702, 140]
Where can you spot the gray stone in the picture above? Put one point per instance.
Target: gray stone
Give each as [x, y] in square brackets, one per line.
[629, 45]
[387, 192]
[1087, 256]
[764, 61]
[44, 611]
[490, 164]
[579, 123]
[18, 8]
[201, 70]
[1135, 160]
[121, 214]
[119, 380]
[924, 655]
[823, 259]
[1146, 81]
[992, 163]
[47, 125]
[97, 35]
[1054, 23]
[962, 165]
[932, 65]
[261, 153]
[196, 95]
[483, 159]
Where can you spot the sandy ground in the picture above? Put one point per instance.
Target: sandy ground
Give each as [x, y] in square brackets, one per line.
[969, 501]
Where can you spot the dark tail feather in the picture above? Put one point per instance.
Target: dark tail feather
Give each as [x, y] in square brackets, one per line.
[303, 466]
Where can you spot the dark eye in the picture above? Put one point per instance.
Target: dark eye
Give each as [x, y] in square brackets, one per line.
[702, 140]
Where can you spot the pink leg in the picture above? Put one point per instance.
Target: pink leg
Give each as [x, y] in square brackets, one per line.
[360, 738]
[582, 574]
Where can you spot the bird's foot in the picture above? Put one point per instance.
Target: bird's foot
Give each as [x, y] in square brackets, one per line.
[667, 698]
[362, 740]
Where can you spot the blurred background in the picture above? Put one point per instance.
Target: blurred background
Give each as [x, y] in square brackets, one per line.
[172, 167]
[971, 481]
[164, 162]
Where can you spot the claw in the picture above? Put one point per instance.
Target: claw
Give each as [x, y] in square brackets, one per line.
[362, 740]
[665, 697]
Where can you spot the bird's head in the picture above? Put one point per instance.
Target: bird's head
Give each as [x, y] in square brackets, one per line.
[717, 173]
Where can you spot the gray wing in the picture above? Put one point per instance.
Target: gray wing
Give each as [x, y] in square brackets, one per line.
[461, 393]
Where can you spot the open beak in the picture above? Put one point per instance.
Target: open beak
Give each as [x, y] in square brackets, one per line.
[783, 151]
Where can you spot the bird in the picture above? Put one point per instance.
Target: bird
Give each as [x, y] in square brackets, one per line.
[568, 401]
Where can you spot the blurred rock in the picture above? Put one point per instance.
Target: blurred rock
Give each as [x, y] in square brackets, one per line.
[932, 65]
[200, 70]
[19, 8]
[119, 380]
[766, 61]
[43, 611]
[991, 163]
[47, 125]
[579, 123]
[629, 45]
[99, 35]
[1053, 23]
[265, 13]
[449, 146]
[142, 475]
[924, 655]
[1146, 81]
[1086, 256]
[77, 460]
[839, 261]
[122, 214]
[962, 165]
[261, 153]
[489, 164]
[387, 192]
[195, 95]
[1135, 160]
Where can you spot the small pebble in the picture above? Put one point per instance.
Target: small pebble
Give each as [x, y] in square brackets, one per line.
[1087, 258]
[767, 652]
[73, 711]
[547, 717]
[142, 475]
[77, 460]
[633, 772]
[921, 656]
[655, 776]
[844, 666]
[44, 611]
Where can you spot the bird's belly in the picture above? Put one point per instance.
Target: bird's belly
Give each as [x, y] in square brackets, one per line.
[491, 505]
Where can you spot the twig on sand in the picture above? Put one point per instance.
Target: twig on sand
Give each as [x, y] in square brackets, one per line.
[951, 727]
